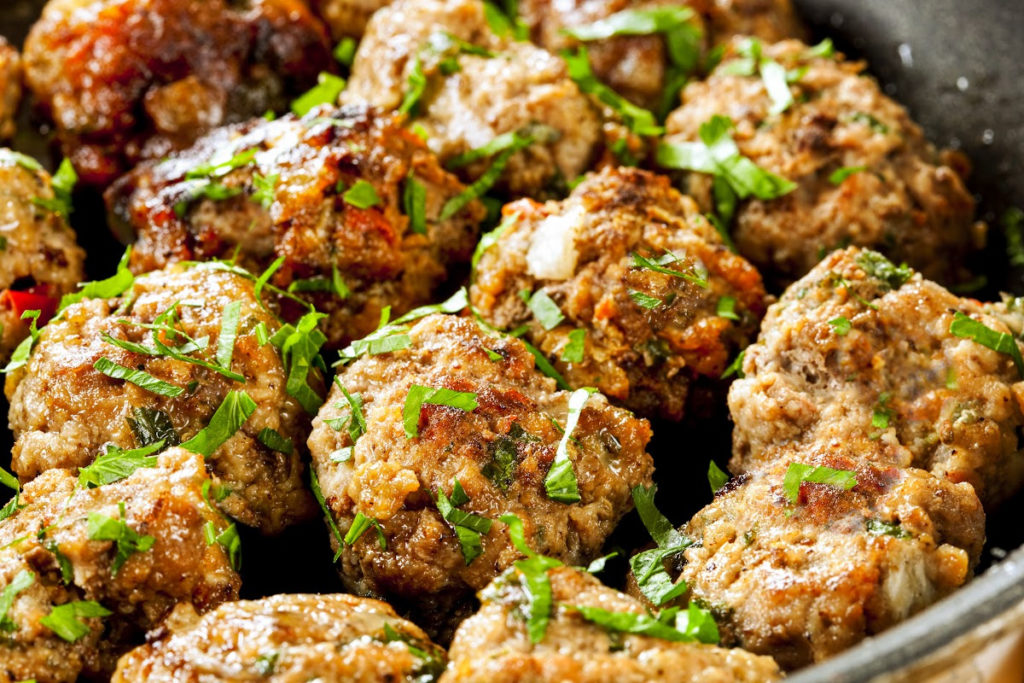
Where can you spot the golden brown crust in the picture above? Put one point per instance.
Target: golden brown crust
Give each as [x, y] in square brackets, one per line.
[10, 88]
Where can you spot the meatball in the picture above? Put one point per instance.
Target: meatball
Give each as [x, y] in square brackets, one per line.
[243, 411]
[648, 299]
[10, 88]
[39, 259]
[326, 194]
[859, 347]
[805, 573]
[490, 457]
[769, 20]
[494, 645]
[863, 172]
[286, 638]
[347, 18]
[126, 80]
[477, 86]
[130, 549]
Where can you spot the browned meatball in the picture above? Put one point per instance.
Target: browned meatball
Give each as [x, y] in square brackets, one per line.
[640, 334]
[500, 86]
[39, 259]
[131, 79]
[324, 193]
[347, 18]
[497, 455]
[286, 639]
[805, 573]
[65, 406]
[860, 348]
[769, 20]
[493, 645]
[59, 548]
[10, 88]
[863, 172]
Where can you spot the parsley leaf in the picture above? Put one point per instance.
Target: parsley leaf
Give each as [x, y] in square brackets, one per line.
[228, 333]
[468, 527]
[645, 300]
[726, 308]
[716, 477]
[215, 169]
[841, 325]
[840, 174]
[264, 188]
[882, 414]
[345, 51]
[360, 524]
[633, 22]
[648, 567]
[419, 395]
[150, 426]
[545, 310]
[22, 352]
[535, 573]
[489, 239]
[735, 367]
[273, 440]
[697, 277]
[229, 417]
[877, 527]
[695, 624]
[117, 464]
[967, 328]
[299, 345]
[560, 483]
[573, 350]
[517, 141]
[137, 377]
[361, 195]
[65, 620]
[21, 581]
[63, 185]
[881, 268]
[798, 473]
[314, 485]
[326, 91]
[414, 203]
[637, 119]
[126, 540]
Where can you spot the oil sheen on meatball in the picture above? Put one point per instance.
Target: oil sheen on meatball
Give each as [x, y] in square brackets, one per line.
[59, 547]
[286, 639]
[64, 408]
[130, 79]
[326, 194]
[497, 455]
[494, 645]
[39, 259]
[859, 347]
[650, 299]
[10, 88]
[497, 86]
[864, 172]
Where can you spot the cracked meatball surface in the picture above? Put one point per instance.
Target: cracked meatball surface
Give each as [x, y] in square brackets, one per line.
[493, 644]
[860, 348]
[64, 409]
[10, 88]
[126, 80]
[647, 335]
[893, 191]
[499, 454]
[501, 86]
[326, 194]
[55, 534]
[286, 639]
[39, 258]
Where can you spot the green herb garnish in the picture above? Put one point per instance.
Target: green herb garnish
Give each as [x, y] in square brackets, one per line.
[798, 473]
[117, 464]
[126, 540]
[419, 395]
[229, 417]
[326, 91]
[65, 620]
[967, 328]
[560, 482]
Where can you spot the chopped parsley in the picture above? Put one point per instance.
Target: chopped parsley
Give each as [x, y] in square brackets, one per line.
[637, 119]
[228, 333]
[414, 203]
[299, 346]
[504, 457]
[535, 574]
[117, 464]
[228, 539]
[419, 395]
[545, 310]
[717, 478]
[442, 49]
[196, 190]
[355, 423]
[694, 624]
[139, 378]
[63, 185]
[361, 195]
[66, 620]
[326, 91]
[560, 482]
[882, 415]
[698, 276]
[489, 239]
[263, 188]
[727, 308]
[967, 328]
[360, 524]
[126, 540]
[22, 352]
[468, 527]
[10, 481]
[229, 417]
[841, 325]
[840, 174]
[273, 440]
[21, 581]
[877, 527]
[573, 350]
[881, 268]
[648, 567]
[799, 473]
[345, 51]
[735, 367]
[504, 20]
[501, 148]
[217, 169]
[150, 426]
[314, 484]
[645, 300]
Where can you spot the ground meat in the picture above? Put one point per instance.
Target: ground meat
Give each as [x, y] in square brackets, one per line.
[902, 199]
[307, 218]
[514, 87]
[499, 453]
[769, 20]
[63, 410]
[805, 580]
[132, 79]
[53, 535]
[939, 402]
[39, 259]
[580, 253]
[10, 88]
[286, 638]
[493, 645]
[347, 18]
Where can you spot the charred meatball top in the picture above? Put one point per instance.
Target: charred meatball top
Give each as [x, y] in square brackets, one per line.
[10, 88]
[237, 403]
[860, 347]
[126, 80]
[863, 173]
[477, 86]
[125, 552]
[644, 297]
[349, 203]
[489, 457]
[286, 638]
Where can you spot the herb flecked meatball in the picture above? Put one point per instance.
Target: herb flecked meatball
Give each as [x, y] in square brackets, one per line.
[126, 80]
[90, 567]
[179, 356]
[10, 88]
[456, 421]
[464, 86]
[861, 169]
[494, 644]
[348, 201]
[860, 347]
[625, 286]
[39, 259]
[286, 638]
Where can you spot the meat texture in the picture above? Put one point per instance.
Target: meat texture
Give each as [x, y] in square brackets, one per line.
[769, 20]
[64, 409]
[59, 547]
[475, 87]
[347, 18]
[860, 348]
[126, 80]
[498, 453]
[494, 645]
[637, 274]
[327, 194]
[286, 639]
[864, 173]
[10, 88]
[39, 258]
